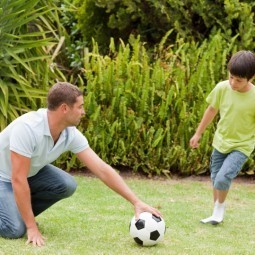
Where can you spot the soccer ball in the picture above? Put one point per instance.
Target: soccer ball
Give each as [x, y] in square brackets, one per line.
[148, 230]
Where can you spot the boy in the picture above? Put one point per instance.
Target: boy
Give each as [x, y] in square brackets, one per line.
[234, 138]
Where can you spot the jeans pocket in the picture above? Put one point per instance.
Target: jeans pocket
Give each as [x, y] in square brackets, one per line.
[236, 161]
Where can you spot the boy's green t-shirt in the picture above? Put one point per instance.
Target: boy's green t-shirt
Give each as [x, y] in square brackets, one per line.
[236, 127]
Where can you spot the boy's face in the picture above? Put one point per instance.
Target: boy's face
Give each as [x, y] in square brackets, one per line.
[238, 83]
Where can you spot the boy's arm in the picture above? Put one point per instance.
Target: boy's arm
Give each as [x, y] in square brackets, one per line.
[208, 117]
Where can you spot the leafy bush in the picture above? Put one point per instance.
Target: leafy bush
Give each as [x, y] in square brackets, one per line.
[141, 114]
[191, 19]
[142, 105]
[26, 43]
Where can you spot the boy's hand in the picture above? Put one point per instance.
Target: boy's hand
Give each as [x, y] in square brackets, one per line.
[194, 141]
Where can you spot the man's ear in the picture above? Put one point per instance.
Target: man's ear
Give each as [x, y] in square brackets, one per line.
[63, 107]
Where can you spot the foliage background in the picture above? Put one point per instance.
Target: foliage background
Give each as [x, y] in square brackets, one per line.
[145, 68]
[191, 19]
[27, 42]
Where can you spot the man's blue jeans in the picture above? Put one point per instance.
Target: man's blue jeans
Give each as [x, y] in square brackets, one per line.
[48, 186]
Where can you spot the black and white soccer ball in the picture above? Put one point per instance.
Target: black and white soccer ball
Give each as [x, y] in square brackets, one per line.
[148, 230]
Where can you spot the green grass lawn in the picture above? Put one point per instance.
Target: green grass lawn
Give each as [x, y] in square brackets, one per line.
[95, 221]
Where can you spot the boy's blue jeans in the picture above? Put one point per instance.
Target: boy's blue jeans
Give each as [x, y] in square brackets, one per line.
[48, 186]
[225, 167]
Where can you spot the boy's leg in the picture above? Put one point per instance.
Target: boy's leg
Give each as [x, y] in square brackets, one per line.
[216, 162]
[48, 186]
[231, 167]
[222, 180]
[220, 195]
[11, 223]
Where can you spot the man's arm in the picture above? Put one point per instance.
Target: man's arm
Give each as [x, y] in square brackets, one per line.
[208, 117]
[20, 169]
[112, 179]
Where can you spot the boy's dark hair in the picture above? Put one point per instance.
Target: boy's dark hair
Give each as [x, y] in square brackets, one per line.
[62, 92]
[242, 64]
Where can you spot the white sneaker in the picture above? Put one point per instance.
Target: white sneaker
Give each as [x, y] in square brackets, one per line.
[217, 216]
[211, 220]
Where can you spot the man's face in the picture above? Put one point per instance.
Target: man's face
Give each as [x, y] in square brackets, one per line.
[75, 112]
[238, 83]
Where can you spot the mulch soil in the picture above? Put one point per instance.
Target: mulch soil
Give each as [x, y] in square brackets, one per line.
[127, 173]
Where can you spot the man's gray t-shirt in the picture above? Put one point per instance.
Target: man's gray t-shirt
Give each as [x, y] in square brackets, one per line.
[29, 135]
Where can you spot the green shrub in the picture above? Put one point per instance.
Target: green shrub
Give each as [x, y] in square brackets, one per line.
[191, 19]
[142, 113]
[26, 40]
[142, 105]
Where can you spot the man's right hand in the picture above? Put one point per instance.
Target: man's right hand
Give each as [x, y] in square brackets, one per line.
[35, 237]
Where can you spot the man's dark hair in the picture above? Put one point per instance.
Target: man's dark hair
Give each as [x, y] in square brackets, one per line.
[242, 64]
[62, 92]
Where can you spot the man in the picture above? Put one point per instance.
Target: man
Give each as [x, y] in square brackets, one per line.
[29, 184]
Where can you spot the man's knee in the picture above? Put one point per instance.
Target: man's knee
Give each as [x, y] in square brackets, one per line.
[69, 186]
[13, 231]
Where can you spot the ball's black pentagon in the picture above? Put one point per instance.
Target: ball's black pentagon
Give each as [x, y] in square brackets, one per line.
[140, 224]
[156, 218]
[154, 235]
[139, 241]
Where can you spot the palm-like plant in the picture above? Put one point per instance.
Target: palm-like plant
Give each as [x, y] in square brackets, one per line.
[26, 38]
